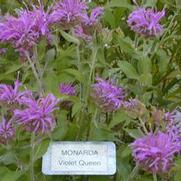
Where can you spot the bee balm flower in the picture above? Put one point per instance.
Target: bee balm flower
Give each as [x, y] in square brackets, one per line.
[11, 95]
[146, 22]
[169, 116]
[68, 13]
[67, 89]
[6, 131]
[94, 17]
[38, 116]
[25, 30]
[89, 24]
[107, 96]
[155, 152]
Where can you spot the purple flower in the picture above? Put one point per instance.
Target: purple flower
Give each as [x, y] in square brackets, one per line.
[155, 152]
[25, 30]
[11, 94]
[89, 24]
[146, 22]
[94, 17]
[131, 103]
[38, 116]
[67, 89]
[107, 96]
[174, 125]
[3, 51]
[177, 115]
[82, 34]
[6, 131]
[168, 116]
[68, 13]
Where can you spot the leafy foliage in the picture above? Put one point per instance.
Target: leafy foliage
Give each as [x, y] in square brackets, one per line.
[149, 70]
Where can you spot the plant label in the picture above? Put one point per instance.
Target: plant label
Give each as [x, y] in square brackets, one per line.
[80, 158]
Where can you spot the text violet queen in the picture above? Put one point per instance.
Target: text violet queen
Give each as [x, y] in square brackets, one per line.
[80, 162]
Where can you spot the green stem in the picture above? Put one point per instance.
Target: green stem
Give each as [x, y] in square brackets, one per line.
[91, 123]
[79, 68]
[154, 177]
[32, 177]
[133, 173]
[94, 118]
[40, 72]
[91, 77]
[78, 57]
[163, 37]
[143, 126]
[35, 72]
[92, 70]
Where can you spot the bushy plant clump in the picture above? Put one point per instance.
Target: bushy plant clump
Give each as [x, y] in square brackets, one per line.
[75, 70]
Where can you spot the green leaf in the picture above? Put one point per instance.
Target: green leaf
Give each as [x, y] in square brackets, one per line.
[99, 178]
[13, 68]
[60, 132]
[52, 82]
[11, 176]
[144, 65]
[8, 175]
[41, 48]
[178, 4]
[144, 177]
[101, 134]
[146, 79]
[77, 107]
[163, 61]
[125, 45]
[69, 37]
[123, 167]
[72, 132]
[134, 133]
[41, 149]
[118, 3]
[8, 158]
[77, 74]
[150, 3]
[177, 169]
[50, 55]
[109, 18]
[128, 69]
[126, 152]
[118, 117]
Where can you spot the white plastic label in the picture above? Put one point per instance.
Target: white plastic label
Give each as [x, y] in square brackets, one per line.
[80, 158]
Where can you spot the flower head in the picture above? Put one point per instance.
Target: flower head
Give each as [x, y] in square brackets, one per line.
[131, 103]
[106, 95]
[146, 22]
[133, 107]
[6, 131]
[89, 24]
[168, 116]
[25, 30]
[174, 125]
[11, 95]
[38, 115]
[177, 115]
[94, 17]
[68, 13]
[67, 89]
[81, 33]
[155, 152]
[3, 51]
